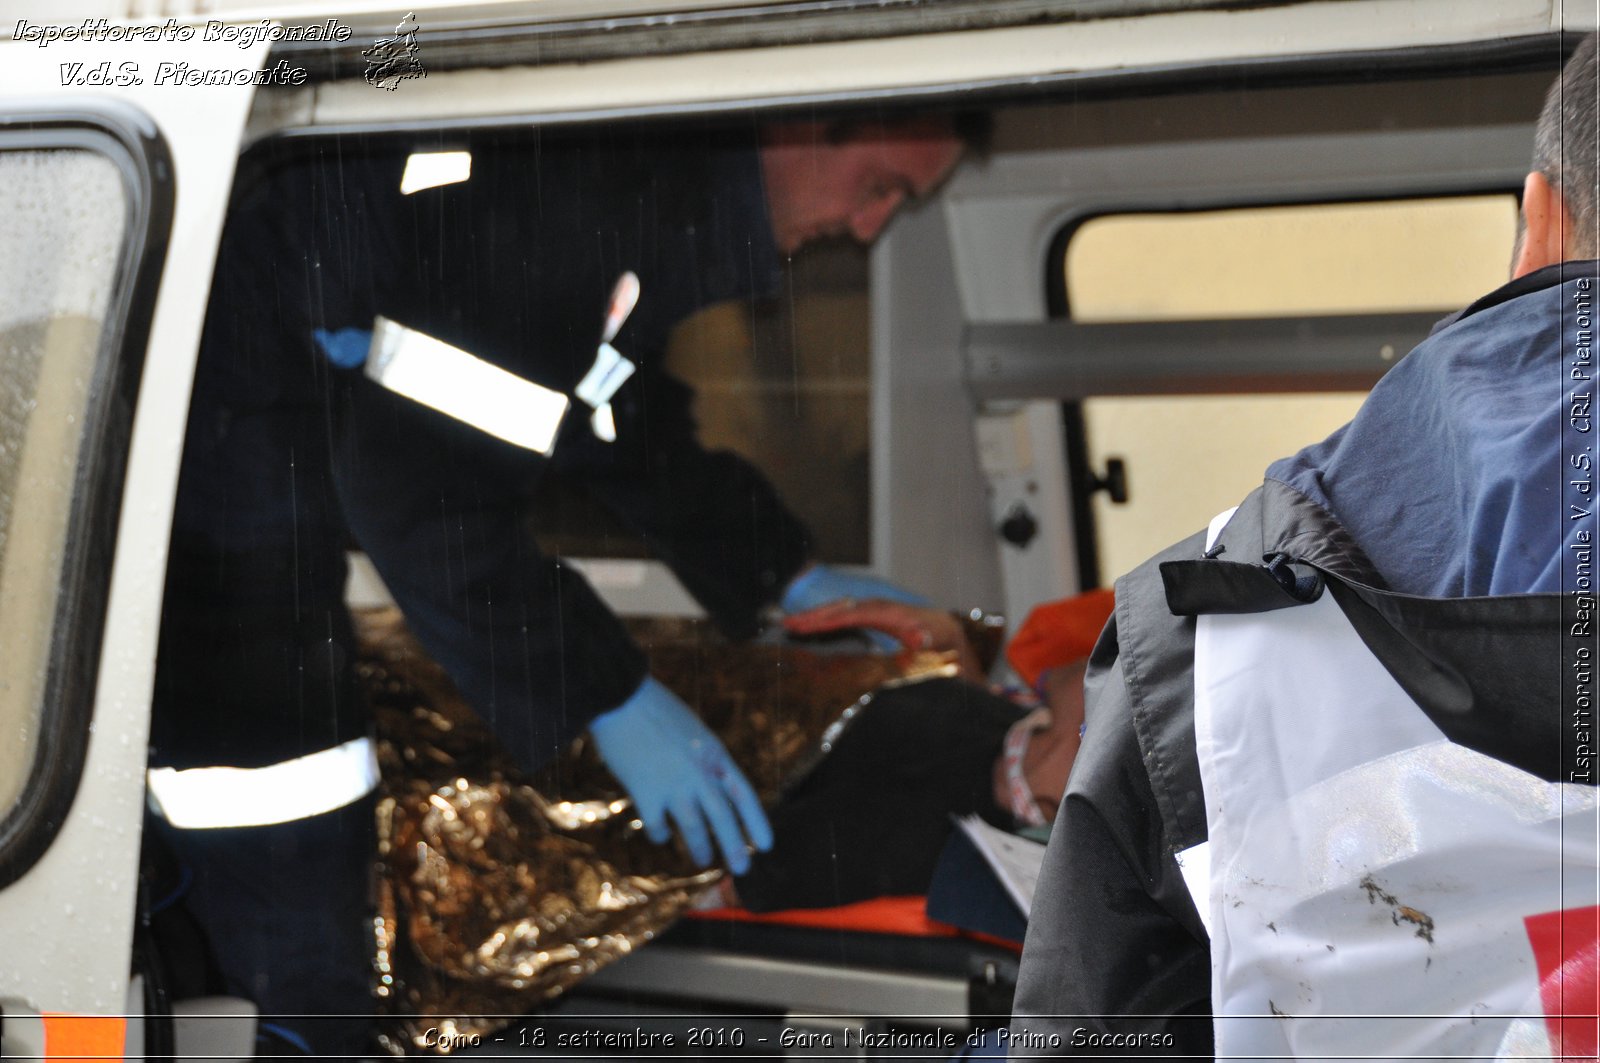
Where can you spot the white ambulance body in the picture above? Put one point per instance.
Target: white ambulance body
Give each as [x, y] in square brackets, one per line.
[1006, 356]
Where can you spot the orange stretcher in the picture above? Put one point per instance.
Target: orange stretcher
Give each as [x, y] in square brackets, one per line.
[905, 916]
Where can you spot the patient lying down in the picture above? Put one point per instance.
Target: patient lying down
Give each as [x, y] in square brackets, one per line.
[499, 891]
[871, 818]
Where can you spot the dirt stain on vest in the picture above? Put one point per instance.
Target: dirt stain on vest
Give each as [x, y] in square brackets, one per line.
[1399, 913]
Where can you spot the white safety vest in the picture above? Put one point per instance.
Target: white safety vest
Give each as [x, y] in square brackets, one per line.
[1373, 890]
[209, 798]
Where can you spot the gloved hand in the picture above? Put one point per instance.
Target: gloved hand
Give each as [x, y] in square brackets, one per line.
[672, 765]
[821, 585]
[347, 348]
[917, 627]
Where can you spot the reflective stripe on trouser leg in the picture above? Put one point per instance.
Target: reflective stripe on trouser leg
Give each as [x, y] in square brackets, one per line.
[200, 798]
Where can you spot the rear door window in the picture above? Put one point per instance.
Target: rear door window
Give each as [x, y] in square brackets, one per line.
[1285, 261]
[1190, 456]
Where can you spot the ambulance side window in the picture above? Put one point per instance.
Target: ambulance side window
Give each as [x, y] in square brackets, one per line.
[69, 207]
[1190, 456]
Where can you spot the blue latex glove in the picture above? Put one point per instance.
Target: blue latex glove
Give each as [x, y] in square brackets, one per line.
[346, 348]
[819, 585]
[672, 765]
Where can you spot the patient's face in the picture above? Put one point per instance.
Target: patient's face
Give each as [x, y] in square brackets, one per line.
[853, 183]
[1051, 752]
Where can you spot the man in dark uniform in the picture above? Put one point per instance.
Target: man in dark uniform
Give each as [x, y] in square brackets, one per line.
[516, 266]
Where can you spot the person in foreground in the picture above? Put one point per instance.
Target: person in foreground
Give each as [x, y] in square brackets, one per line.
[1338, 757]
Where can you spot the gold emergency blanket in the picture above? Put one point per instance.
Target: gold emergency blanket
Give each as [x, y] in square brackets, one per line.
[497, 891]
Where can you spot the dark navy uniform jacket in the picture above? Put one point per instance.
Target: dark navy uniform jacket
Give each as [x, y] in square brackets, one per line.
[515, 265]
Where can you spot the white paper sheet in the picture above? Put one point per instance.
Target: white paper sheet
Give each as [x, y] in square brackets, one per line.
[1015, 861]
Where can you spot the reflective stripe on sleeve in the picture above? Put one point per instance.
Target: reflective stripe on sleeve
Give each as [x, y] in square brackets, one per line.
[462, 385]
[199, 798]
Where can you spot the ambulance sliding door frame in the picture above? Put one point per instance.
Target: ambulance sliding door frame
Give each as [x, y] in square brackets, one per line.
[145, 215]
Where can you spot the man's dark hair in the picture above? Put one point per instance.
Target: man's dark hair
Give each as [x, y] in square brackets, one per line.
[976, 130]
[1567, 141]
[973, 128]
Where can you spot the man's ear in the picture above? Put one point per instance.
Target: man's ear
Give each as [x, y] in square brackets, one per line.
[1544, 226]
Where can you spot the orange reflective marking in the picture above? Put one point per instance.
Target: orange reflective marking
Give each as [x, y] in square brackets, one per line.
[68, 1036]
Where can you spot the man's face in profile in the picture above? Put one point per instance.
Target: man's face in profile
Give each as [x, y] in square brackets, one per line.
[824, 182]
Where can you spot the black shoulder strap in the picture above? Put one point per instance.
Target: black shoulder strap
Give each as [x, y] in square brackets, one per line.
[1510, 676]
